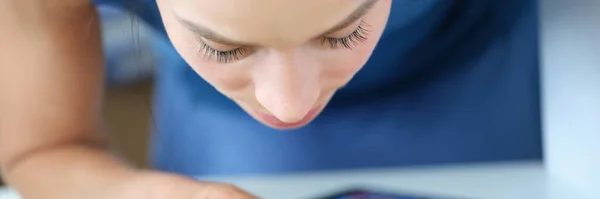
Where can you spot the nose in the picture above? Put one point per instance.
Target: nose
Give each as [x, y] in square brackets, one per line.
[287, 85]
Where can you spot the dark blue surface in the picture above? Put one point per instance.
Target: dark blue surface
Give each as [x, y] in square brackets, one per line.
[450, 81]
[364, 194]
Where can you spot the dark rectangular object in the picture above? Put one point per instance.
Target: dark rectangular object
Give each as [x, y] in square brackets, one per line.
[362, 193]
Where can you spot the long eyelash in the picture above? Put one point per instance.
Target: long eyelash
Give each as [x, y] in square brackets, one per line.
[349, 42]
[220, 56]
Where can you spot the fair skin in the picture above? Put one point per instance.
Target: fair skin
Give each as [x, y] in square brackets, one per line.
[269, 58]
[285, 74]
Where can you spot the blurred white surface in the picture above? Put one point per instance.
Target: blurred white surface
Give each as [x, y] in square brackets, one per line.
[517, 180]
[5, 193]
[571, 91]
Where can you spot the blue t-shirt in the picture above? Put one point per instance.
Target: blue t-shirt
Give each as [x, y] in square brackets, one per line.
[450, 81]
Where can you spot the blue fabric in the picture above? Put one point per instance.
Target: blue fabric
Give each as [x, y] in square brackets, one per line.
[450, 81]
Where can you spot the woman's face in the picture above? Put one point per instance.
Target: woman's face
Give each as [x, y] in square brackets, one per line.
[279, 60]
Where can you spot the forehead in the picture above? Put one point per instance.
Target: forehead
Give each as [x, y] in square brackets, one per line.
[277, 22]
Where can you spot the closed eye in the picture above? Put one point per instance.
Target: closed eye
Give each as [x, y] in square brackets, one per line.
[356, 37]
[359, 35]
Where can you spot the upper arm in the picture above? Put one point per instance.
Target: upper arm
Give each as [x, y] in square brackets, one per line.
[50, 75]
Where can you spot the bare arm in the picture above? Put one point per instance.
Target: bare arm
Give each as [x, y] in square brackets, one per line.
[51, 145]
[51, 73]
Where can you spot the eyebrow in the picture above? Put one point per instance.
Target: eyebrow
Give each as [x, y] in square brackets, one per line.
[210, 35]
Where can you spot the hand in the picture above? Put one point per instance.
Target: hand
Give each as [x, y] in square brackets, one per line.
[143, 185]
[154, 185]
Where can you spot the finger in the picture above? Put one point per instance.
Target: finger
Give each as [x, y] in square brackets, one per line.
[220, 191]
[169, 186]
[186, 188]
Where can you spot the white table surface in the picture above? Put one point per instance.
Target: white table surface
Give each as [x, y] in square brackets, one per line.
[512, 180]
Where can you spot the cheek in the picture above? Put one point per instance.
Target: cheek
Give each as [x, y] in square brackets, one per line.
[336, 73]
[338, 70]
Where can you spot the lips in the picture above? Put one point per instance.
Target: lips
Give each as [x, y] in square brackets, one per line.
[276, 123]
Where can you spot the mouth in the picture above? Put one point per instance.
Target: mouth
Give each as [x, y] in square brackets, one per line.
[276, 123]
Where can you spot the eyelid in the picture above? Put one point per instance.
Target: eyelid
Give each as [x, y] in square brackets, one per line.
[219, 46]
[210, 53]
[357, 36]
[345, 31]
